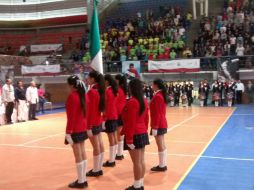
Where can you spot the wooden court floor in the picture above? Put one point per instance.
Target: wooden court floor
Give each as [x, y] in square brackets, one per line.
[33, 155]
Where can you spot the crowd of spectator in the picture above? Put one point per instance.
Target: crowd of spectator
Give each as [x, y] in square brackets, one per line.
[145, 37]
[228, 34]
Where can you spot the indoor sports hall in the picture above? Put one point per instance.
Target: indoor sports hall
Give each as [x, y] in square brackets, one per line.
[165, 86]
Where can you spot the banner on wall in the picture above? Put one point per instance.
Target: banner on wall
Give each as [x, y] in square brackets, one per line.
[131, 74]
[228, 69]
[46, 48]
[40, 70]
[181, 65]
[126, 65]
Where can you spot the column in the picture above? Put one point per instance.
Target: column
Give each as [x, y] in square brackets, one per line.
[194, 9]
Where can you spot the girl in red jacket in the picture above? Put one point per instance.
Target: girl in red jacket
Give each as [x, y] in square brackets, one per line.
[158, 106]
[96, 106]
[135, 125]
[121, 101]
[111, 117]
[76, 127]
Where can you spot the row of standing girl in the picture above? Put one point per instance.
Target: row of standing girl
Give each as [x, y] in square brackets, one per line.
[104, 107]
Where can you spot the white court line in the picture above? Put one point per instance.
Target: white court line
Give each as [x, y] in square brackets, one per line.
[22, 134]
[148, 153]
[187, 142]
[177, 125]
[40, 139]
[184, 121]
[242, 114]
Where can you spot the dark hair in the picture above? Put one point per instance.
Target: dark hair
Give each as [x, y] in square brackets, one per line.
[80, 86]
[136, 90]
[122, 82]
[131, 65]
[19, 82]
[112, 83]
[159, 83]
[99, 79]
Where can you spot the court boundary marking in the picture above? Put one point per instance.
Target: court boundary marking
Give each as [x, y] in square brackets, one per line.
[178, 184]
[148, 153]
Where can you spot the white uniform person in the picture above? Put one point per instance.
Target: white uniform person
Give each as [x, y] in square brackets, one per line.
[32, 98]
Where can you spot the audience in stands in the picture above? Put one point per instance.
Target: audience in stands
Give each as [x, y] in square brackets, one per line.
[228, 34]
[144, 37]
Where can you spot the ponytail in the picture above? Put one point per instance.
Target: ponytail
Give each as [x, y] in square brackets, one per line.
[99, 79]
[81, 89]
[112, 83]
[122, 83]
[136, 90]
[160, 84]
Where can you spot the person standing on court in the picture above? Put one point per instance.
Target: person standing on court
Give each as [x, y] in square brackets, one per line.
[120, 103]
[42, 100]
[159, 126]
[189, 89]
[96, 106]
[111, 118]
[250, 91]
[20, 98]
[206, 91]
[239, 91]
[32, 98]
[135, 125]
[76, 127]
[8, 98]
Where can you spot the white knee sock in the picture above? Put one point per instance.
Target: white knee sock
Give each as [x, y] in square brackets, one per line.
[80, 171]
[137, 184]
[96, 163]
[85, 169]
[120, 148]
[116, 147]
[112, 154]
[142, 182]
[101, 160]
[163, 158]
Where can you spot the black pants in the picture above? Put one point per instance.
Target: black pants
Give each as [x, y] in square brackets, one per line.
[177, 99]
[239, 95]
[205, 101]
[32, 111]
[9, 111]
[190, 100]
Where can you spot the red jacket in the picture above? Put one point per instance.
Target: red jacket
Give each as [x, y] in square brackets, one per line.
[76, 120]
[158, 112]
[134, 123]
[94, 118]
[111, 110]
[120, 101]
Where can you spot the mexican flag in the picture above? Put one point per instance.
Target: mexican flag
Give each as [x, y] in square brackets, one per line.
[94, 41]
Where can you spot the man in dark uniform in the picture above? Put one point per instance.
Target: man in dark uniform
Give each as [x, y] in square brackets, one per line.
[177, 93]
[189, 89]
[206, 90]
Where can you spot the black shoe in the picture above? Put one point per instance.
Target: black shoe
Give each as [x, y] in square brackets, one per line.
[35, 118]
[159, 169]
[77, 185]
[109, 164]
[133, 188]
[119, 157]
[91, 173]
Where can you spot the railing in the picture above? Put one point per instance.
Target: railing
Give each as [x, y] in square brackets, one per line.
[68, 66]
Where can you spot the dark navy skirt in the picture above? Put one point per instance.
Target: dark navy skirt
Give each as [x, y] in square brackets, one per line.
[139, 141]
[77, 137]
[110, 126]
[161, 131]
[97, 129]
[120, 121]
